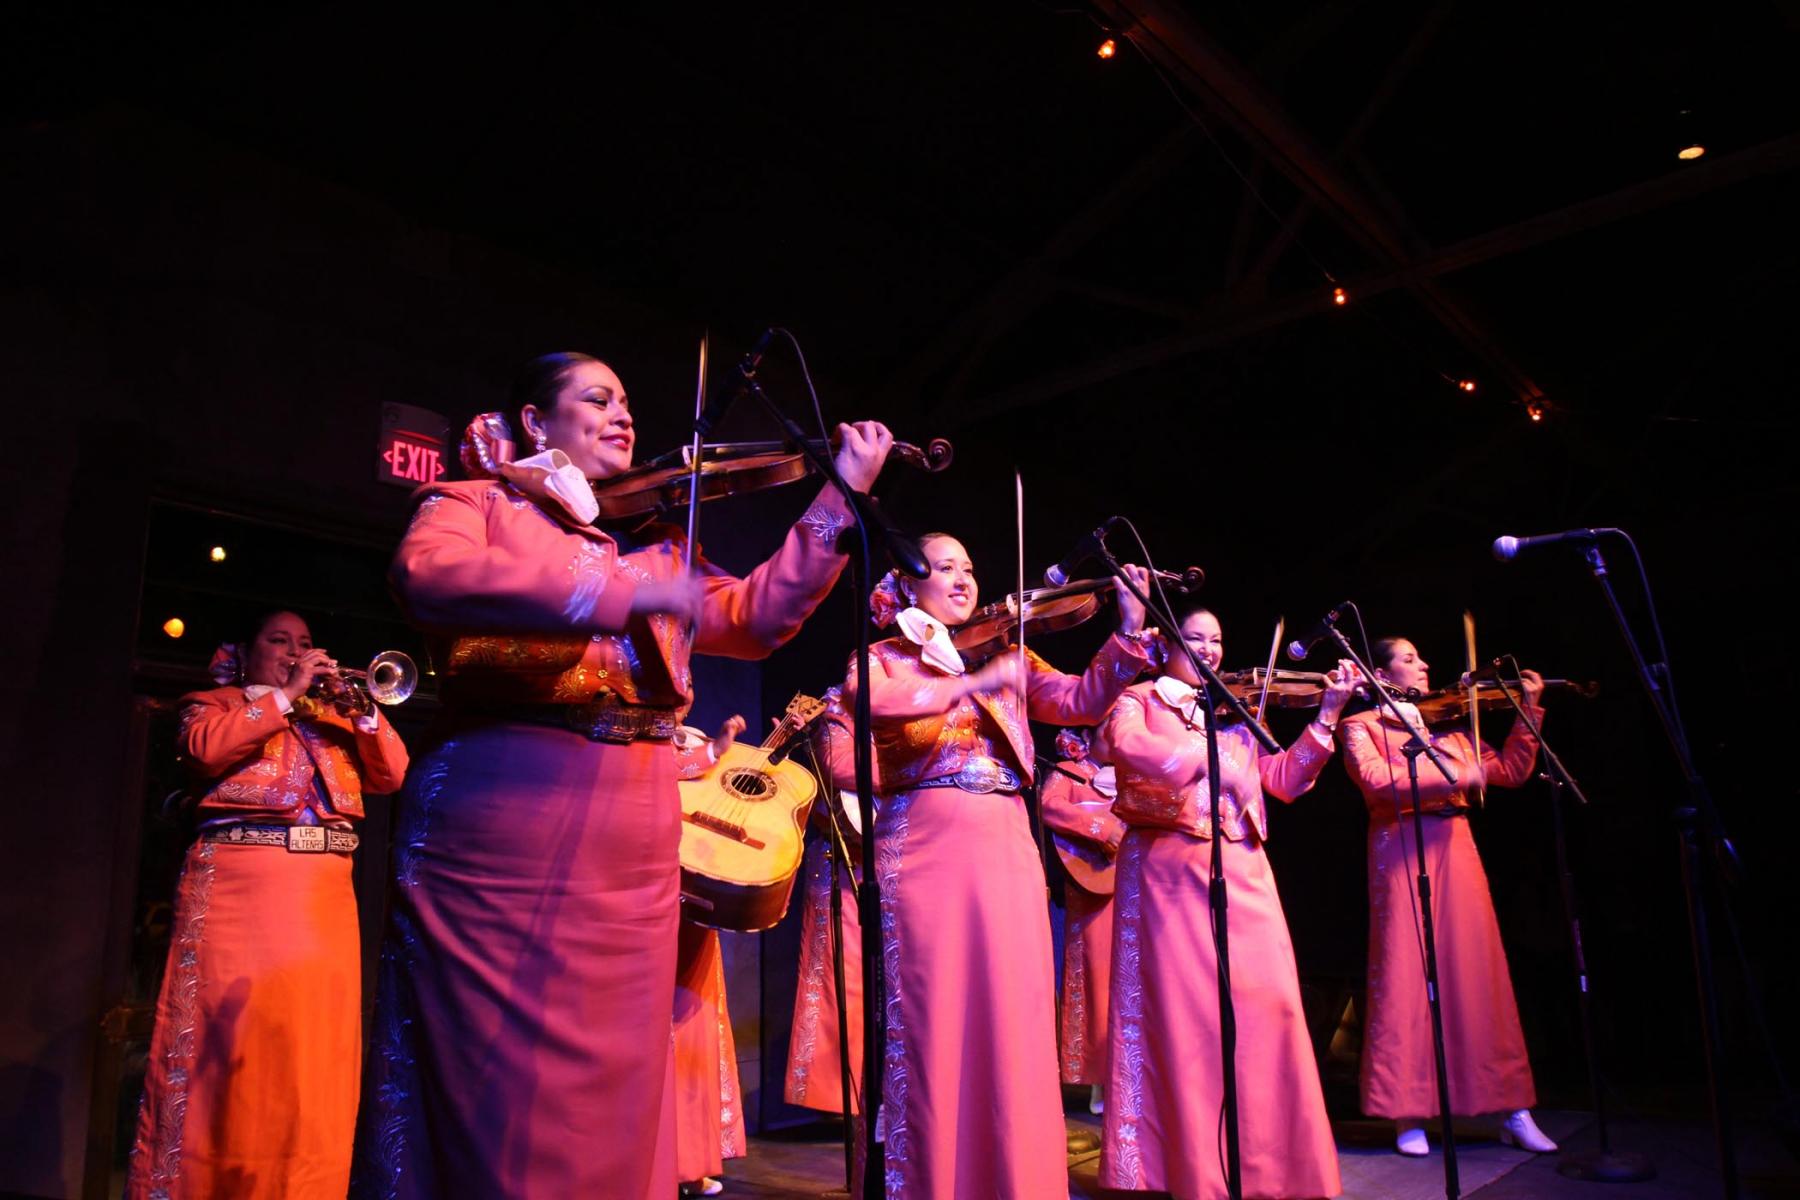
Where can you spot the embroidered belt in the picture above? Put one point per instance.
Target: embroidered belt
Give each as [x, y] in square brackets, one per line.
[980, 775]
[604, 720]
[295, 839]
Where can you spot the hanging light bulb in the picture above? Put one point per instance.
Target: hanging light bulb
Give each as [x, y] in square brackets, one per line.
[174, 627]
[1467, 385]
[1340, 297]
[1108, 48]
[217, 554]
[1535, 409]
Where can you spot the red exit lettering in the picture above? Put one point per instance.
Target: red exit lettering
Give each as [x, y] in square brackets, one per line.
[411, 461]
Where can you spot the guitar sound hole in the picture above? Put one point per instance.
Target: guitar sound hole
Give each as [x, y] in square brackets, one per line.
[750, 785]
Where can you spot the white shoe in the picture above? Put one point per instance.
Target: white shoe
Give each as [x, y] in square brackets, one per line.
[1521, 1131]
[1096, 1100]
[1411, 1141]
[705, 1186]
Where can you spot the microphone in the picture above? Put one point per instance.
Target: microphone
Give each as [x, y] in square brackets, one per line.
[1301, 647]
[1487, 674]
[725, 397]
[794, 740]
[1507, 547]
[1087, 547]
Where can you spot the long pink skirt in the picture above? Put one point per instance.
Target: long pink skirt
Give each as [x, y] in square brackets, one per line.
[709, 1115]
[1483, 1044]
[1166, 1095]
[814, 1068]
[523, 1040]
[971, 1102]
[1087, 980]
[253, 1073]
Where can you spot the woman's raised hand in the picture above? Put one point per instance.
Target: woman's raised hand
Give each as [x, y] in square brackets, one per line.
[1131, 609]
[862, 450]
[303, 670]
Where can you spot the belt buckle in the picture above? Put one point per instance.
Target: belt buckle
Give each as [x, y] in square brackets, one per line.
[307, 839]
[601, 721]
[979, 775]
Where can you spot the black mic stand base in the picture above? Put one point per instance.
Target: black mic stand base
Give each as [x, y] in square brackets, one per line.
[1606, 1166]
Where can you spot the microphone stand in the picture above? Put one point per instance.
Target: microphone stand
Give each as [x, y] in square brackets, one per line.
[1603, 1165]
[908, 557]
[1414, 747]
[1211, 689]
[1702, 836]
[839, 853]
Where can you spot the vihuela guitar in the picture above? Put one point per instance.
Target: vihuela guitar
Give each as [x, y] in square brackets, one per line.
[742, 828]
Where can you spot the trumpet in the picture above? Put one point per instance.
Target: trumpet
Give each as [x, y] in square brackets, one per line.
[390, 678]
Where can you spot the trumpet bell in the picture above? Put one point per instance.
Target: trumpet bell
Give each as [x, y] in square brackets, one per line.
[392, 677]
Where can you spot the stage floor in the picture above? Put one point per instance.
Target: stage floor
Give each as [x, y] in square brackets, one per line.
[808, 1164]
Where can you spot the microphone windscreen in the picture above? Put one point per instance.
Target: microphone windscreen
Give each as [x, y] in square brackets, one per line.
[1505, 547]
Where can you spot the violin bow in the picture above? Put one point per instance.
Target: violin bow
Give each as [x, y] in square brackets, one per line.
[1019, 520]
[1476, 791]
[694, 455]
[1262, 701]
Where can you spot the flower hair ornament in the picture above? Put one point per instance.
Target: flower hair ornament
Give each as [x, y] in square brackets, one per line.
[487, 445]
[890, 596]
[1072, 744]
[227, 665]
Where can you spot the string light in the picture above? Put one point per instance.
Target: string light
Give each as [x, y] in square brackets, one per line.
[1108, 48]
[218, 554]
[1467, 385]
[1340, 297]
[174, 627]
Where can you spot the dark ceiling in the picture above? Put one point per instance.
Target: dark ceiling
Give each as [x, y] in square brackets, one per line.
[963, 203]
[1101, 270]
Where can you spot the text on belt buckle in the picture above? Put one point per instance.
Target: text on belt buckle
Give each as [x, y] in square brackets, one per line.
[307, 839]
[979, 775]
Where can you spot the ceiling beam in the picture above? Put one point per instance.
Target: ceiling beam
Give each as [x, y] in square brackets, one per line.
[1225, 321]
[1172, 39]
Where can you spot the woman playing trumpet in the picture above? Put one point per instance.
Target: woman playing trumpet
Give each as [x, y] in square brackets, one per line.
[254, 1063]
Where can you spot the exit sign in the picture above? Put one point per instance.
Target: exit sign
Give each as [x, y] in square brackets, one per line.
[413, 446]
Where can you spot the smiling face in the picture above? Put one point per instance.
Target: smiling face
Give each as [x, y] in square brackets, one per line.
[590, 421]
[274, 648]
[1404, 668]
[1202, 634]
[949, 592]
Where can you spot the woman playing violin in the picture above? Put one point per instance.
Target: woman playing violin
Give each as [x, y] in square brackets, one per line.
[970, 1105]
[523, 1027]
[1489, 1072]
[1164, 1094]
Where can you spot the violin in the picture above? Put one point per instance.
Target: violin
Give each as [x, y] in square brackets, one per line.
[1287, 689]
[732, 469]
[992, 627]
[1449, 705]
